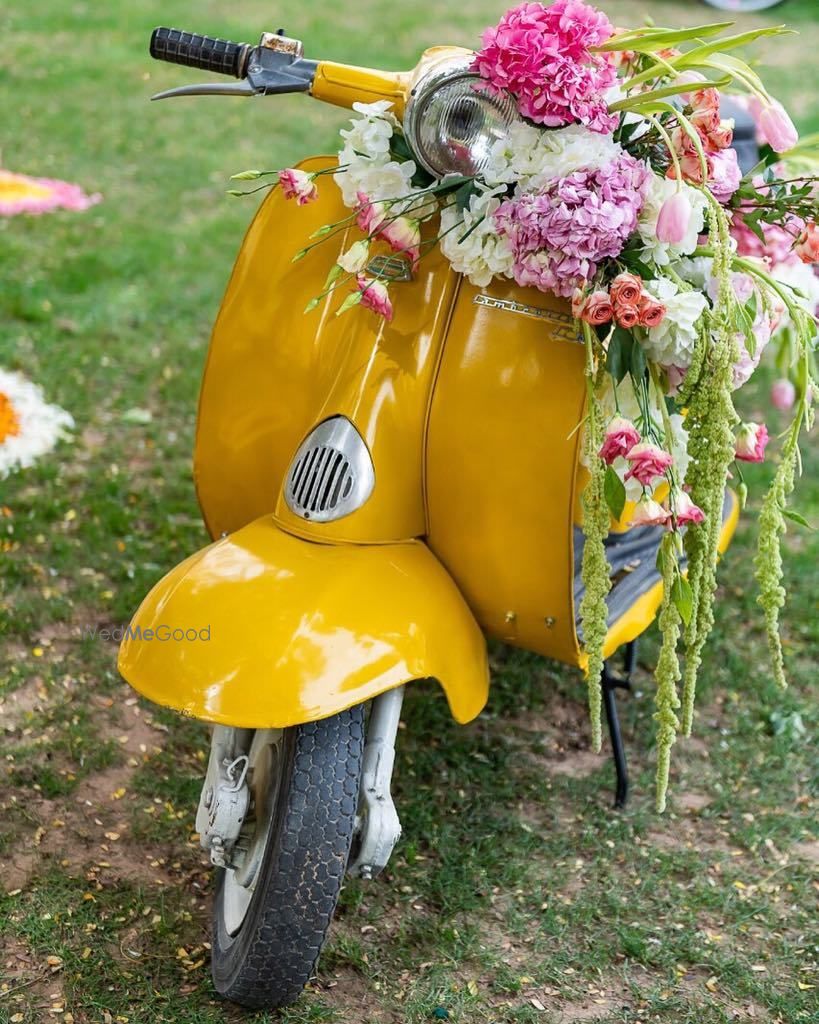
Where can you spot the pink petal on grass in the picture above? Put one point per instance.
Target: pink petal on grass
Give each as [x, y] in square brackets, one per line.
[21, 194]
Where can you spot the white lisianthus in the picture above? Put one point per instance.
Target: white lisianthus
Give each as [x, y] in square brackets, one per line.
[484, 254]
[672, 342]
[658, 191]
[371, 132]
[354, 260]
[365, 157]
[29, 426]
[532, 157]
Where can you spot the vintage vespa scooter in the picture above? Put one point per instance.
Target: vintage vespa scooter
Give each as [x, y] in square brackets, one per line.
[380, 497]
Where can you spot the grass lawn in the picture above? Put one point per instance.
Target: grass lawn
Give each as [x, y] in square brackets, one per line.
[517, 895]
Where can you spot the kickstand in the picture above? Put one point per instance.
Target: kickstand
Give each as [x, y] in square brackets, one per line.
[610, 682]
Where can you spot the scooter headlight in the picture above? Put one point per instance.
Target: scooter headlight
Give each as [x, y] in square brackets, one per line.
[452, 121]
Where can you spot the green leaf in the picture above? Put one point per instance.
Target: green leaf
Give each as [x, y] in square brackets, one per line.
[718, 46]
[618, 359]
[638, 362]
[464, 194]
[615, 493]
[682, 597]
[352, 299]
[335, 272]
[646, 40]
[796, 517]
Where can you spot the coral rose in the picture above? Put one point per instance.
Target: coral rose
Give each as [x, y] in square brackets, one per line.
[627, 289]
[597, 309]
[621, 437]
[627, 316]
[647, 462]
[652, 313]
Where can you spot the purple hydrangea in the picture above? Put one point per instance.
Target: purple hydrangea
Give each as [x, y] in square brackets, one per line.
[560, 235]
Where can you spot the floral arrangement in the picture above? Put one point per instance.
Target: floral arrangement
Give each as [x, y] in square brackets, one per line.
[617, 188]
[29, 426]
[21, 194]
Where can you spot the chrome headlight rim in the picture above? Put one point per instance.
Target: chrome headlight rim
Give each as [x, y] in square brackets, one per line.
[449, 72]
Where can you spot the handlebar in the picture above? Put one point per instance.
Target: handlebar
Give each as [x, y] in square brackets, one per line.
[195, 51]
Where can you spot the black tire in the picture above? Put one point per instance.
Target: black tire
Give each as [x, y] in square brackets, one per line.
[273, 955]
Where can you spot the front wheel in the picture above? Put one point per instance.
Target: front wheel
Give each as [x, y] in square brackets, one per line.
[273, 906]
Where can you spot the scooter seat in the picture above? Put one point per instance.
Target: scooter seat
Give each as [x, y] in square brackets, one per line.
[632, 556]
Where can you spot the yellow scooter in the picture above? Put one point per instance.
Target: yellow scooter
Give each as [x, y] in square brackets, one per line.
[381, 495]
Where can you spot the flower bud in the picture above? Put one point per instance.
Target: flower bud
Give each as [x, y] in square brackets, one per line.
[674, 219]
[783, 394]
[777, 128]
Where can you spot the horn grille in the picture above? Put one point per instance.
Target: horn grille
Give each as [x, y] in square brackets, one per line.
[331, 474]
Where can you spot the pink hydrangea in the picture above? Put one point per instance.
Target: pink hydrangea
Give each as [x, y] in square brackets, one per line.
[560, 235]
[541, 55]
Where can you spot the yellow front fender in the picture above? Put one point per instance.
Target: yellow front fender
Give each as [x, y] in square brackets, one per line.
[266, 630]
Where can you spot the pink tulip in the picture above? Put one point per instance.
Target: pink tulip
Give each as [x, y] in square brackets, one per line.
[783, 395]
[777, 128]
[675, 216]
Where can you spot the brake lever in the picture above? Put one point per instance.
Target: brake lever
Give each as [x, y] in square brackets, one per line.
[275, 66]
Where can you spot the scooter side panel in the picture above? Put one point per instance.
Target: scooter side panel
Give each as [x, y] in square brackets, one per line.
[284, 631]
[274, 373]
[502, 458]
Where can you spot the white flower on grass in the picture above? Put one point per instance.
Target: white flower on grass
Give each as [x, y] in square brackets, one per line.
[29, 426]
[532, 157]
[484, 254]
[672, 342]
[658, 191]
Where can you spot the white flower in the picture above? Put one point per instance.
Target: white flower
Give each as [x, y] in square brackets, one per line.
[659, 189]
[365, 157]
[798, 275]
[672, 342]
[532, 157]
[371, 132]
[29, 426]
[378, 179]
[354, 260]
[484, 254]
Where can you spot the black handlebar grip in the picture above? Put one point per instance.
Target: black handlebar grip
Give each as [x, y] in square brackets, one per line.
[195, 51]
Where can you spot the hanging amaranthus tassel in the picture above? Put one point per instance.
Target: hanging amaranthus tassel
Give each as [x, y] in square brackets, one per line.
[667, 674]
[595, 567]
[711, 417]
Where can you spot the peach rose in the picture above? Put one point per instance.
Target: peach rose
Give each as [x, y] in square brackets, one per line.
[597, 309]
[652, 313]
[627, 316]
[626, 289]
